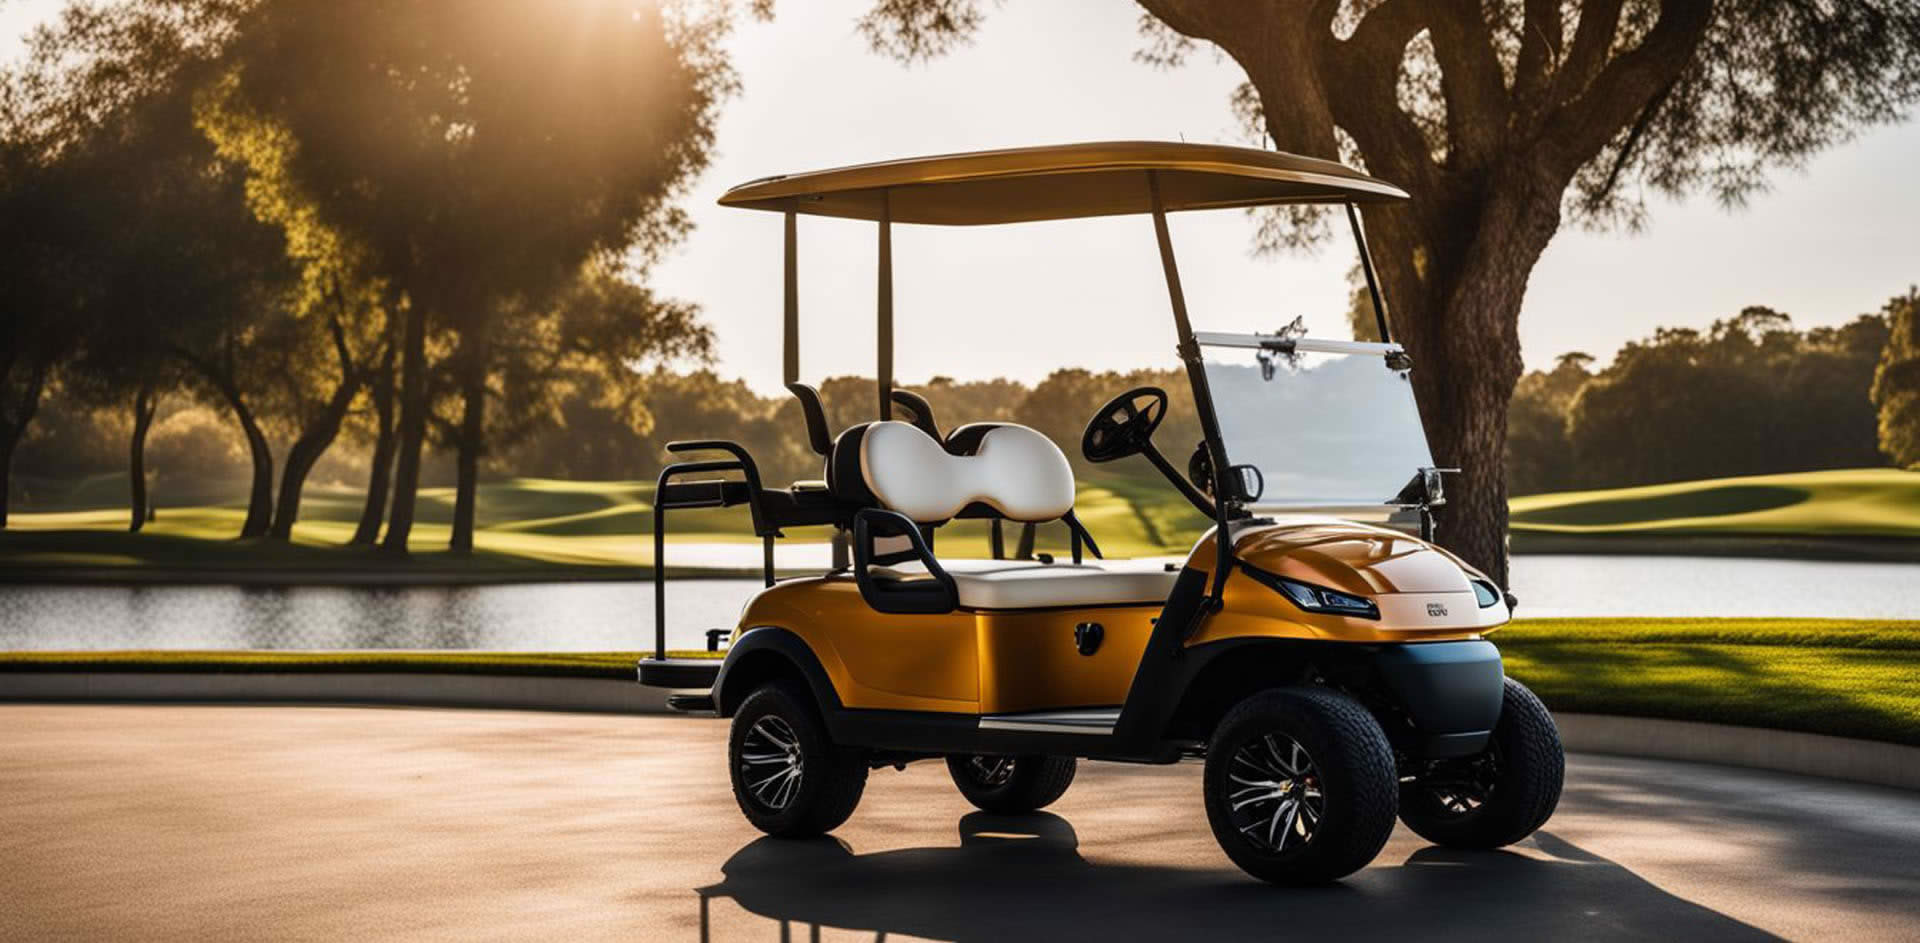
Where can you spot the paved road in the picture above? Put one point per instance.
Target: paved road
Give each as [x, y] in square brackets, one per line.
[187, 822]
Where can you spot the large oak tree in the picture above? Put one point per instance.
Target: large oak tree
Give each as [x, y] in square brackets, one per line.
[1506, 119]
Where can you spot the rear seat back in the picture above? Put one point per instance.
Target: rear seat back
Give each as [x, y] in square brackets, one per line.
[1013, 469]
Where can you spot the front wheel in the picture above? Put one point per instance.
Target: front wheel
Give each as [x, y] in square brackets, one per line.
[1300, 786]
[1498, 796]
[1012, 784]
[789, 778]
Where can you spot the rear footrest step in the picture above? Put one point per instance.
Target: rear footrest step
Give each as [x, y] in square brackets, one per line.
[691, 703]
[678, 672]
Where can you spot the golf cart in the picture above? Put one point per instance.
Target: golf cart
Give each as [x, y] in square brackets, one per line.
[1332, 672]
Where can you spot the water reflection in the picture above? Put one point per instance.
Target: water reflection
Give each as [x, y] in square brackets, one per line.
[619, 616]
[529, 617]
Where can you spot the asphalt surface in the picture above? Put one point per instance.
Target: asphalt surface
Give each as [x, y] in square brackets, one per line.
[186, 822]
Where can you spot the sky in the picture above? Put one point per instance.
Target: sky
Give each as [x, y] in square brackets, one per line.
[1827, 244]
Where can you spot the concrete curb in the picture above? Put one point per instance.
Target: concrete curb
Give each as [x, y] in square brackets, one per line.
[418, 689]
[1866, 761]
[1784, 751]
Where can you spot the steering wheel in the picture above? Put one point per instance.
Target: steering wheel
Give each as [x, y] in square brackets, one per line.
[1125, 425]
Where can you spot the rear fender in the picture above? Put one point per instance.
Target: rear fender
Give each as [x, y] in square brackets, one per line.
[764, 653]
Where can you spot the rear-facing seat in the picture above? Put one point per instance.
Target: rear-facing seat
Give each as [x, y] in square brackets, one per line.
[1014, 471]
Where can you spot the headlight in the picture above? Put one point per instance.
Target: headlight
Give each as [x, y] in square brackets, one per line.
[1485, 594]
[1317, 598]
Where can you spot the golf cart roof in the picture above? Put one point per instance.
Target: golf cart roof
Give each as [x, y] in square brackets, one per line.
[1063, 181]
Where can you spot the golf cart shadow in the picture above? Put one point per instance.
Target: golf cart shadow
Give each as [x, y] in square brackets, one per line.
[1018, 878]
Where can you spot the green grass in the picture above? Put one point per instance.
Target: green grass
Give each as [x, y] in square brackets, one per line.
[1854, 502]
[530, 526]
[526, 526]
[1842, 678]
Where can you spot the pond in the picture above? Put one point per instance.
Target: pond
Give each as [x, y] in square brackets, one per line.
[618, 616]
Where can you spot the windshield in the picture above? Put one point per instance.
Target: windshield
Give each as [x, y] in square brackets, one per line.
[1328, 424]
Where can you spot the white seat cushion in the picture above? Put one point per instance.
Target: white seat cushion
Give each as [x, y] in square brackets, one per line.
[1028, 584]
[1015, 471]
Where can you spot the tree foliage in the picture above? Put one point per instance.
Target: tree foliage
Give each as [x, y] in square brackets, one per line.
[1896, 381]
[1750, 395]
[281, 196]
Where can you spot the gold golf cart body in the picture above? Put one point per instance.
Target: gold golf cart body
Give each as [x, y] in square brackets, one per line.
[905, 654]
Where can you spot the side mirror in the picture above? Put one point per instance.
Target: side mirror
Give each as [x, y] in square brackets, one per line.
[1248, 480]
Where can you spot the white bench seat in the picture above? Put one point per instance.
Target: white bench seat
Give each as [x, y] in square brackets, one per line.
[1030, 584]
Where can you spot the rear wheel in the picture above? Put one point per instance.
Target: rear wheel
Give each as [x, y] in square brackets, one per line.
[789, 778]
[1498, 796]
[1300, 786]
[1012, 784]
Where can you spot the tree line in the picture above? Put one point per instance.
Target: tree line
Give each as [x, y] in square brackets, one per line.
[421, 224]
[1749, 395]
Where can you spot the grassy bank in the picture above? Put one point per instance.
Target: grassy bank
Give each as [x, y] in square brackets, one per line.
[1840, 677]
[1843, 678]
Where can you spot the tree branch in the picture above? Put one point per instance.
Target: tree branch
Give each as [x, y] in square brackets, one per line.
[1579, 129]
[1542, 33]
[1280, 45]
[1592, 41]
[1632, 143]
[1470, 77]
[1366, 70]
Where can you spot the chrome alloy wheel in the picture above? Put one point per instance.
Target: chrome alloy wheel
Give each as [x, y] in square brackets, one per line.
[990, 770]
[1275, 796]
[771, 763]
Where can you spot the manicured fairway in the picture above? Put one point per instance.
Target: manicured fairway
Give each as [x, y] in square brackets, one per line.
[545, 524]
[1844, 678]
[525, 525]
[1854, 502]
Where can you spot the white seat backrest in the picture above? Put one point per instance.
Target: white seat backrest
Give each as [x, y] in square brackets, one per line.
[1015, 471]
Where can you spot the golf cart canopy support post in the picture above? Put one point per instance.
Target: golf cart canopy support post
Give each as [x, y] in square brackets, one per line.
[790, 322]
[1189, 349]
[883, 372]
[1373, 279]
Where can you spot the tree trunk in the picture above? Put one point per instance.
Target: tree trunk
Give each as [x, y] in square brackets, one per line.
[144, 404]
[1456, 275]
[305, 453]
[9, 437]
[14, 427]
[473, 389]
[374, 511]
[413, 430]
[260, 497]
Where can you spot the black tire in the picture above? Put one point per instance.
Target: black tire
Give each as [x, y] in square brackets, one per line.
[783, 730]
[1499, 796]
[1011, 785]
[1344, 789]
